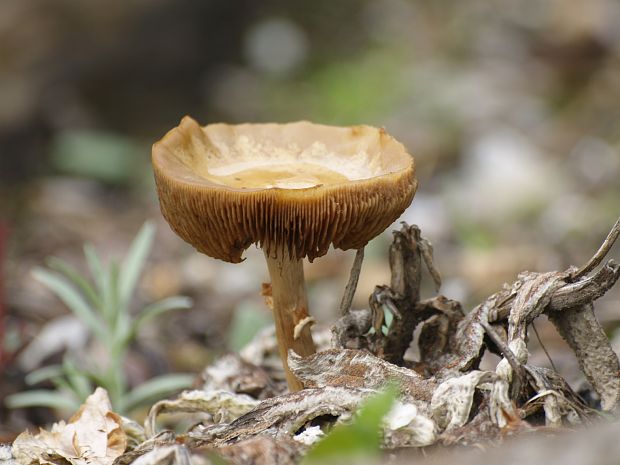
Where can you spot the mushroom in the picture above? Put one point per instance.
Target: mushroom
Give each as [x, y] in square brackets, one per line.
[293, 189]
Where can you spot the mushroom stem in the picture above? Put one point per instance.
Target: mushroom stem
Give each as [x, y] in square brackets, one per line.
[290, 309]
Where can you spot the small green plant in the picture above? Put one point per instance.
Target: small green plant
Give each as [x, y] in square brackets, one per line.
[103, 306]
[359, 440]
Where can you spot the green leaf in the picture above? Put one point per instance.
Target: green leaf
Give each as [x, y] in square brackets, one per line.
[134, 262]
[72, 299]
[104, 309]
[43, 374]
[73, 275]
[78, 380]
[359, 439]
[42, 398]
[155, 389]
[95, 266]
[97, 378]
[111, 307]
[157, 308]
[62, 385]
[388, 317]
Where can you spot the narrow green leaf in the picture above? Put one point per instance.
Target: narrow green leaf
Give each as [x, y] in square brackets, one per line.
[110, 296]
[74, 276]
[97, 378]
[116, 390]
[157, 308]
[360, 438]
[62, 385]
[156, 388]
[388, 317]
[95, 266]
[72, 299]
[42, 398]
[78, 380]
[124, 331]
[43, 374]
[134, 262]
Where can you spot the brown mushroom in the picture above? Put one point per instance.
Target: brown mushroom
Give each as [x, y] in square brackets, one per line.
[293, 189]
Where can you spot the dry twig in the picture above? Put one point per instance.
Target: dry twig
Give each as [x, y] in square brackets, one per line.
[349, 291]
[601, 253]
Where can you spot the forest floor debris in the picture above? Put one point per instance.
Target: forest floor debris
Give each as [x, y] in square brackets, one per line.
[445, 398]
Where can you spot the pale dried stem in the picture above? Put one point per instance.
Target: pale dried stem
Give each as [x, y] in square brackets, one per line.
[508, 355]
[290, 308]
[349, 291]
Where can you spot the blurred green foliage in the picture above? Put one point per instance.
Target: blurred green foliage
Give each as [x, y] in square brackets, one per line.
[100, 155]
[104, 309]
[359, 90]
[248, 319]
[358, 440]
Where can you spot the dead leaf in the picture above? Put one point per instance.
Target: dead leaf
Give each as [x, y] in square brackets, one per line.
[359, 369]
[224, 406]
[6, 455]
[93, 436]
[406, 426]
[452, 400]
[231, 373]
[162, 440]
[282, 416]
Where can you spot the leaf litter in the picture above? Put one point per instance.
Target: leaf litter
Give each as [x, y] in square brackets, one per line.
[93, 436]
[443, 398]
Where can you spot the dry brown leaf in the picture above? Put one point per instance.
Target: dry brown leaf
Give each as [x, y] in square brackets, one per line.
[452, 400]
[282, 416]
[93, 436]
[359, 369]
[224, 406]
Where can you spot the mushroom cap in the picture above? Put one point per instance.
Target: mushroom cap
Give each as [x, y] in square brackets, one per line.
[296, 187]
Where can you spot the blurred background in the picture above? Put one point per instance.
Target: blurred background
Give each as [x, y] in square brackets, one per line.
[511, 110]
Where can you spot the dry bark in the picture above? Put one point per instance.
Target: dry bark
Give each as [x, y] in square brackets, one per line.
[407, 252]
[597, 360]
